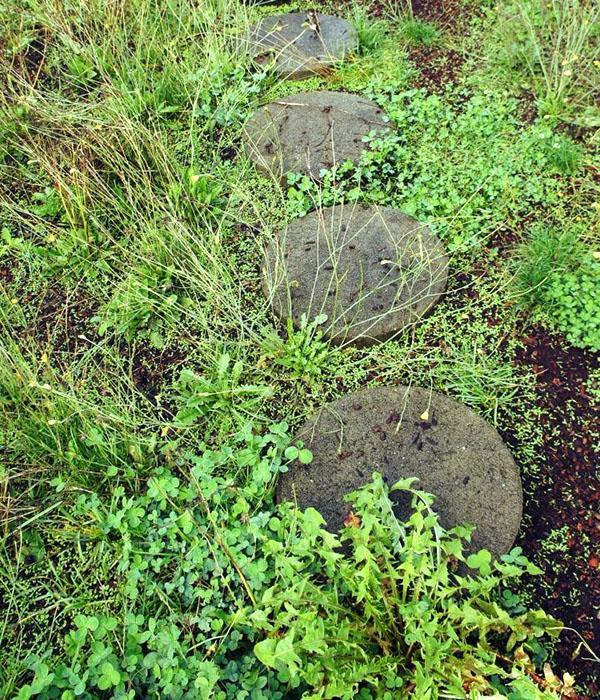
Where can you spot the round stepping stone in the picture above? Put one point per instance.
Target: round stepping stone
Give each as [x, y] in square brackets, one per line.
[301, 45]
[403, 432]
[370, 270]
[311, 131]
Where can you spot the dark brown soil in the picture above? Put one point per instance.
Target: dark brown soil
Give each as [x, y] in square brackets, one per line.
[447, 14]
[527, 107]
[438, 67]
[62, 317]
[565, 493]
[6, 272]
[29, 64]
[152, 369]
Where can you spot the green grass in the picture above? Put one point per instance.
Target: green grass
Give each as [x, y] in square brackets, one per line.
[148, 396]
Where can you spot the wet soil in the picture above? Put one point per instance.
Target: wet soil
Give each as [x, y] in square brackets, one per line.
[65, 324]
[565, 493]
[29, 63]
[438, 68]
[447, 14]
[152, 369]
[6, 271]
[61, 319]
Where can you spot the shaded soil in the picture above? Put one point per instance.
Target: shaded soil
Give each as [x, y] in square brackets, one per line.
[152, 368]
[447, 14]
[564, 495]
[528, 111]
[438, 67]
[29, 63]
[62, 317]
[6, 272]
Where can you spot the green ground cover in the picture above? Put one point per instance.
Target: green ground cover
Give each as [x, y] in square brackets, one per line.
[149, 397]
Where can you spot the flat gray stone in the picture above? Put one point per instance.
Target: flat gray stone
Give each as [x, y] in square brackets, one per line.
[402, 432]
[309, 132]
[370, 270]
[299, 46]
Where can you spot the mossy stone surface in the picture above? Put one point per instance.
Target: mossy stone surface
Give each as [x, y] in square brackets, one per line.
[301, 45]
[402, 432]
[309, 132]
[369, 270]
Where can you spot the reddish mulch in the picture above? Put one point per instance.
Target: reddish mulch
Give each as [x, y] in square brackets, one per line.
[565, 492]
[438, 67]
[447, 14]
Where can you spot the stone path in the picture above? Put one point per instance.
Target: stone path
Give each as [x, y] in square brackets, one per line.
[370, 270]
[309, 132]
[301, 45]
[401, 432]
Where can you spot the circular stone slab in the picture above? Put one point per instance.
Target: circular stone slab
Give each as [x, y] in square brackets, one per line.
[370, 270]
[308, 132]
[402, 432]
[300, 44]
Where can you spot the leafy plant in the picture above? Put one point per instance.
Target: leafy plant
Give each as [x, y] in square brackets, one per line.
[143, 301]
[573, 299]
[394, 617]
[48, 203]
[303, 351]
[217, 394]
[557, 274]
[272, 605]
[191, 537]
[564, 155]
[372, 34]
[199, 191]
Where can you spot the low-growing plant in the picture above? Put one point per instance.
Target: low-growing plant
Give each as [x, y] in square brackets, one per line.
[573, 301]
[142, 302]
[478, 378]
[564, 155]
[372, 34]
[198, 191]
[218, 394]
[186, 561]
[548, 250]
[404, 613]
[274, 606]
[303, 352]
[417, 32]
[558, 274]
